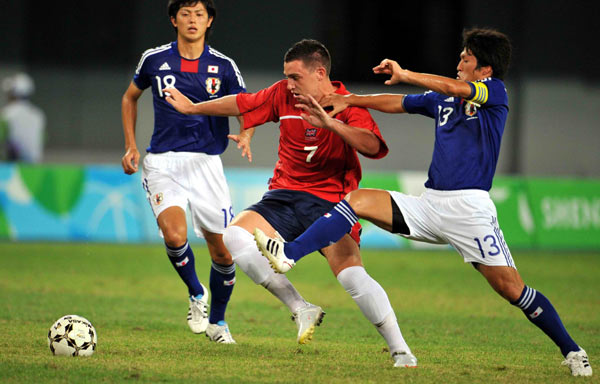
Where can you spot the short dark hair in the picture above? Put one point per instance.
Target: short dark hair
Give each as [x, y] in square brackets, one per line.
[175, 5]
[490, 47]
[311, 52]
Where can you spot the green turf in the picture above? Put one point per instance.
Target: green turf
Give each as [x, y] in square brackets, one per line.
[459, 329]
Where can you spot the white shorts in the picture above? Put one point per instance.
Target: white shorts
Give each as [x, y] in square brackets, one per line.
[179, 179]
[465, 219]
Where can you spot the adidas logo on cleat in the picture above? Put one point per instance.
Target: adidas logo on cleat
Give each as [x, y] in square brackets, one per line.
[272, 246]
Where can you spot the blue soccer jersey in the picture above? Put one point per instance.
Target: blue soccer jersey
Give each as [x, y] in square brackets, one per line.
[210, 76]
[467, 134]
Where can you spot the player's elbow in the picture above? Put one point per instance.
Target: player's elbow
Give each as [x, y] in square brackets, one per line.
[370, 147]
[128, 100]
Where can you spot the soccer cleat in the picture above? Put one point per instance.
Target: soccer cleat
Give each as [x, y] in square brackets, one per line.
[219, 333]
[578, 363]
[197, 317]
[272, 249]
[404, 359]
[306, 319]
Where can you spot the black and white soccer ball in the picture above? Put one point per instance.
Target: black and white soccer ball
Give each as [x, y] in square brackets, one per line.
[72, 335]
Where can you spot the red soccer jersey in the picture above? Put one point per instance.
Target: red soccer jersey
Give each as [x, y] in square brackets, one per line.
[311, 159]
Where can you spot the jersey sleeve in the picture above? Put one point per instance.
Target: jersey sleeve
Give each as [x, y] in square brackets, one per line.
[488, 92]
[258, 108]
[234, 83]
[141, 78]
[361, 118]
[420, 104]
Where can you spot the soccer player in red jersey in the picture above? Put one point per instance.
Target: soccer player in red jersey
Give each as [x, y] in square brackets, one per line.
[317, 167]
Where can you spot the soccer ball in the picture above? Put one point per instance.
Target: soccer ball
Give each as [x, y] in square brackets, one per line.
[72, 335]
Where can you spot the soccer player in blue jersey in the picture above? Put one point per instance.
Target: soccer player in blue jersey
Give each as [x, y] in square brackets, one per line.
[183, 167]
[470, 114]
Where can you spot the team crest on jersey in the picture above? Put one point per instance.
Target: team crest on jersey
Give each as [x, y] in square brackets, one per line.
[158, 198]
[470, 109]
[213, 84]
[310, 134]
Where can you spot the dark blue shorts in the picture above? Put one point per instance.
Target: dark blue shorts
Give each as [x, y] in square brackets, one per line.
[292, 212]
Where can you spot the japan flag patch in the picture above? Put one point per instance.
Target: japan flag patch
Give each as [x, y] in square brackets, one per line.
[213, 69]
[183, 262]
[537, 312]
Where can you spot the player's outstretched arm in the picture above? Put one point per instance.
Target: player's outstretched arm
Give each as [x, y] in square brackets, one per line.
[223, 106]
[388, 103]
[439, 84]
[363, 140]
[130, 160]
[243, 139]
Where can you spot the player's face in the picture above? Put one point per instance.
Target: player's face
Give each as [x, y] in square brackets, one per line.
[467, 67]
[302, 80]
[192, 22]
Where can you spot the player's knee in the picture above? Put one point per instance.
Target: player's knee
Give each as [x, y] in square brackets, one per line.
[356, 201]
[174, 238]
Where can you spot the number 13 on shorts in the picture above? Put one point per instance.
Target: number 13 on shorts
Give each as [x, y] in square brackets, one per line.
[491, 244]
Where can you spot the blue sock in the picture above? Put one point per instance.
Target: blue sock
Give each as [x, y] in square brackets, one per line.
[540, 312]
[222, 279]
[326, 230]
[183, 261]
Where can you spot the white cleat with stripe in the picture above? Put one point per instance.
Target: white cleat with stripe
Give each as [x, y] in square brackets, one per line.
[272, 249]
[579, 363]
[197, 317]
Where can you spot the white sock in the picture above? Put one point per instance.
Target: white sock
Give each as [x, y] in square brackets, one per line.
[374, 304]
[390, 330]
[248, 258]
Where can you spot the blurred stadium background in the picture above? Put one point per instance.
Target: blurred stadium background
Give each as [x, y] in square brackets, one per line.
[82, 56]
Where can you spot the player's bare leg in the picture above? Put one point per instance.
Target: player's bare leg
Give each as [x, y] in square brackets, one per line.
[538, 309]
[346, 264]
[373, 205]
[505, 280]
[222, 280]
[172, 223]
[239, 240]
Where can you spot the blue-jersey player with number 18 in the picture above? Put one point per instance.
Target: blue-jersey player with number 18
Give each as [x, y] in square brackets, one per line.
[183, 167]
[470, 113]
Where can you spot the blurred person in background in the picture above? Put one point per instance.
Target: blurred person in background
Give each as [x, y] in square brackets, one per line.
[183, 167]
[22, 125]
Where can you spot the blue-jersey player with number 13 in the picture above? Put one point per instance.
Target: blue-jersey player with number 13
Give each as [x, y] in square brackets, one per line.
[183, 167]
[470, 113]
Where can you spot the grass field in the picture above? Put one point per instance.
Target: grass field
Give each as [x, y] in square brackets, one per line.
[459, 329]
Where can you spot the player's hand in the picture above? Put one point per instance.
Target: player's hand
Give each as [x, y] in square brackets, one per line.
[392, 68]
[130, 161]
[178, 100]
[335, 101]
[314, 114]
[243, 142]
